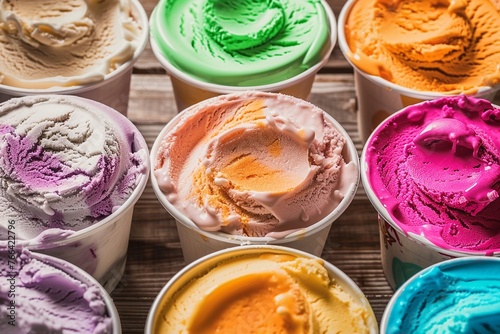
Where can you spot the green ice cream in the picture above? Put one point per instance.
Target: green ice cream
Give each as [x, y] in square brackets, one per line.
[242, 42]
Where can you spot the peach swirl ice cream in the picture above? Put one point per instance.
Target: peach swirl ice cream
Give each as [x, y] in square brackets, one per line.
[254, 164]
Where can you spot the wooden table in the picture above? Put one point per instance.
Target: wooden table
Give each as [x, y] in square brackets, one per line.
[154, 253]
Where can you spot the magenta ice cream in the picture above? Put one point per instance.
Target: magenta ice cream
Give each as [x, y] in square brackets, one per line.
[435, 167]
[254, 164]
[41, 294]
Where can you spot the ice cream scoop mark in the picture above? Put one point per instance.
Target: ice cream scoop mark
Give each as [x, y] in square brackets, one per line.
[451, 130]
[47, 209]
[242, 24]
[492, 115]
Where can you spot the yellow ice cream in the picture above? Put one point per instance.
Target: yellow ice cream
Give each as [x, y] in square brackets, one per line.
[264, 293]
[439, 45]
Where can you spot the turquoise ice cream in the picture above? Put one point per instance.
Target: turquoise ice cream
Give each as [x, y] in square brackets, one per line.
[242, 43]
[455, 296]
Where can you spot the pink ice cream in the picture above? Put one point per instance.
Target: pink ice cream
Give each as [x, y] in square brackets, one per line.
[38, 295]
[65, 164]
[254, 164]
[435, 166]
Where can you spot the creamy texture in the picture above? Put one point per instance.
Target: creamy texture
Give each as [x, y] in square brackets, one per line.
[435, 167]
[437, 46]
[264, 293]
[254, 164]
[459, 297]
[65, 164]
[48, 298]
[241, 43]
[46, 44]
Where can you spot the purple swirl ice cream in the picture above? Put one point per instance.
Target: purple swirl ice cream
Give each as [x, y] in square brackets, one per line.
[65, 164]
[41, 294]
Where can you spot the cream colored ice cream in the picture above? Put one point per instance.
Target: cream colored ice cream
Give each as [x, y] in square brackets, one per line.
[48, 43]
[438, 46]
[267, 292]
[254, 164]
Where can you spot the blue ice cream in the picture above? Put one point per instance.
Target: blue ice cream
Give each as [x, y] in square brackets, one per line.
[455, 296]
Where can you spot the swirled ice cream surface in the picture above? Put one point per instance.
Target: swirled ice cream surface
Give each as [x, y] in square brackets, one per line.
[38, 296]
[52, 44]
[65, 164]
[242, 43]
[455, 297]
[433, 46]
[254, 164]
[267, 292]
[435, 167]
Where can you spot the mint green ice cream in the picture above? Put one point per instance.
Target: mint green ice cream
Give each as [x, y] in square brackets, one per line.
[242, 42]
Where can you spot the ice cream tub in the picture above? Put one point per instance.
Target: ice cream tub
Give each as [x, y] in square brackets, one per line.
[405, 255]
[44, 294]
[115, 33]
[266, 46]
[72, 170]
[386, 77]
[271, 288]
[262, 168]
[454, 296]
[428, 172]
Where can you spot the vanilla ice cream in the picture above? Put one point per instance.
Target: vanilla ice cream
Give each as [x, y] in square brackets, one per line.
[45, 44]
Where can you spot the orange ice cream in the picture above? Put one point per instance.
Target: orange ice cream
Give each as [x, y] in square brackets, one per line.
[434, 46]
[254, 164]
[264, 292]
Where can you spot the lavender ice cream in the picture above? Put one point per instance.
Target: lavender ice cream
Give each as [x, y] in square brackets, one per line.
[40, 294]
[65, 163]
